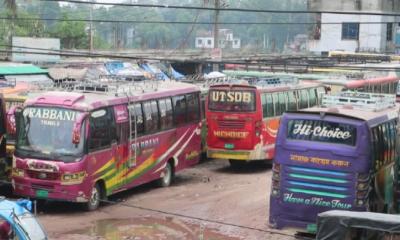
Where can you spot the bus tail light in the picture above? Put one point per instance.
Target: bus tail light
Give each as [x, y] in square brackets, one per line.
[276, 178]
[362, 189]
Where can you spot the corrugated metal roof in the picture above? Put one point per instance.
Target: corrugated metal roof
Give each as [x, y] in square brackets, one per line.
[24, 69]
[68, 73]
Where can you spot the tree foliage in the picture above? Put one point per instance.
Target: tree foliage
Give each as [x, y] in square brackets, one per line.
[168, 36]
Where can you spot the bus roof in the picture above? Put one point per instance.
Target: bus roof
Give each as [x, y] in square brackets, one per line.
[358, 105]
[360, 114]
[273, 88]
[85, 100]
[360, 82]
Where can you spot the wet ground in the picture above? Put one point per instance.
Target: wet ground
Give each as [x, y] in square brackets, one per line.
[209, 201]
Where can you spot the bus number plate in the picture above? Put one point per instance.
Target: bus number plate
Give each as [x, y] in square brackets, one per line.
[229, 146]
[42, 193]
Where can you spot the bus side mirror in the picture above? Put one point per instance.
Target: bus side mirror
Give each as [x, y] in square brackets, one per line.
[76, 132]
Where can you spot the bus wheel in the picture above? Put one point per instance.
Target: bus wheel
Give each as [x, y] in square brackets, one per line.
[166, 180]
[236, 163]
[95, 197]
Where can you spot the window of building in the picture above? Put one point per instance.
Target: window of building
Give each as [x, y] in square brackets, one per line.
[389, 32]
[350, 31]
[209, 41]
[199, 41]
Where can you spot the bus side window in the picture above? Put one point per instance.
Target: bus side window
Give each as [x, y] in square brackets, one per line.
[138, 114]
[292, 104]
[392, 140]
[381, 146]
[102, 129]
[165, 113]
[270, 105]
[193, 107]
[375, 148]
[313, 97]
[264, 104]
[303, 96]
[320, 92]
[282, 102]
[275, 100]
[385, 88]
[179, 106]
[151, 116]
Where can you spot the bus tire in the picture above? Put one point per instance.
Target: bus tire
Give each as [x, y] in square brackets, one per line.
[95, 198]
[166, 180]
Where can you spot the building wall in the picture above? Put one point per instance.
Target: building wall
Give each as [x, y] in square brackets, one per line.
[354, 5]
[204, 42]
[372, 37]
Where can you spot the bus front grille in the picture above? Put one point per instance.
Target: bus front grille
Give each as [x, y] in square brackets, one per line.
[318, 182]
[235, 124]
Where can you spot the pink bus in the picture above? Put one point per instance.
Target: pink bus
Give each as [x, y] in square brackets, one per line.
[83, 146]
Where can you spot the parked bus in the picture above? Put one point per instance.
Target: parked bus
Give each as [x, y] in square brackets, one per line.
[12, 95]
[243, 119]
[386, 84]
[339, 156]
[84, 146]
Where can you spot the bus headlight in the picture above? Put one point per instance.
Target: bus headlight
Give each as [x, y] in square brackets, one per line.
[18, 172]
[73, 178]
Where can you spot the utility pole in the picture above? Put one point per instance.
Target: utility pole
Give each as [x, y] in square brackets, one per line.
[91, 27]
[216, 30]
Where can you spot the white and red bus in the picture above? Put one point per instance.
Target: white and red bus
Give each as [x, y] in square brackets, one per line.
[243, 119]
[84, 145]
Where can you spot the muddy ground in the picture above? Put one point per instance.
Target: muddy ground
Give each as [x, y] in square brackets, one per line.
[236, 203]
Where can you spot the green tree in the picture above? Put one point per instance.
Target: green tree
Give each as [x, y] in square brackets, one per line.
[72, 34]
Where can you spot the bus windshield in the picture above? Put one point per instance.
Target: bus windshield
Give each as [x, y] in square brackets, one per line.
[322, 131]
[232, 101]
[46, 133]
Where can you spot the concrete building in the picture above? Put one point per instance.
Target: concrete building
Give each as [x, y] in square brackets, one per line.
[351, 34]
[225, 39]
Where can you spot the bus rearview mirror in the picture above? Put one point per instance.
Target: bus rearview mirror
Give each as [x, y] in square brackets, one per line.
[76, 132]
[12, 115]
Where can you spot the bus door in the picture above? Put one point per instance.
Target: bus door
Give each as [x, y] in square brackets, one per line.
[121, 148]
[104, 148]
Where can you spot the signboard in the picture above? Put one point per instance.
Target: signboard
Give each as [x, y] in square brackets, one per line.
[25, 49]
[216, 54]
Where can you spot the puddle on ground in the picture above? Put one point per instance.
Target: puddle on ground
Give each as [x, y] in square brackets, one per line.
[149, 228]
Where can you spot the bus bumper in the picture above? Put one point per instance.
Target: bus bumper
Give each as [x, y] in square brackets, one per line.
[228, 154]
[259, 153]
[48, 190]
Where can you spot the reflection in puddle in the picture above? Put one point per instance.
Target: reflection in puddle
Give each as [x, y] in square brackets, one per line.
[147, 228]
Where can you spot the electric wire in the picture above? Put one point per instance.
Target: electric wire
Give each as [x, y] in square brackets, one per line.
[166, 6]
[187, 22]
